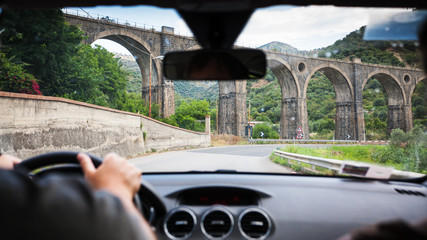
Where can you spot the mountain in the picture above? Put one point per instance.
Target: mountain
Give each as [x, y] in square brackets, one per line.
[280, 47]
[187, 89]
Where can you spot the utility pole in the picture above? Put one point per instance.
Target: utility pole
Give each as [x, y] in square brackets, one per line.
[249, 120]
[249, 114]
[216, 117]
[149, 91]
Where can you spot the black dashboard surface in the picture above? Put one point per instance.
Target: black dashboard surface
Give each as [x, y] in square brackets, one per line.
[297, 207]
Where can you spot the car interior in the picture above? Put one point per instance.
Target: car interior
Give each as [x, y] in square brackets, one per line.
[242, 205]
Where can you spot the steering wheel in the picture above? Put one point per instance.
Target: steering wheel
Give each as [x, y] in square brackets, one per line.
[151, 206]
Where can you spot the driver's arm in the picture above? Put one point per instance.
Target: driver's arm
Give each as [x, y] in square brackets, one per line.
[120, 178]
[66, 208]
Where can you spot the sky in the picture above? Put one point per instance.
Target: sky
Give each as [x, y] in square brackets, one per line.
[305, 28]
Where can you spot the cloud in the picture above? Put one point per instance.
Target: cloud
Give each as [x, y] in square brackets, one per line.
[305, 28]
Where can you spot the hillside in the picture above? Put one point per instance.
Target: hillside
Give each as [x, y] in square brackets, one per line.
[395, 53]
[284, 48]
[197, 89]
[187, 89]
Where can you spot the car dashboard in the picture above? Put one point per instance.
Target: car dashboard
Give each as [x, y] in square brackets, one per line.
[274, 206]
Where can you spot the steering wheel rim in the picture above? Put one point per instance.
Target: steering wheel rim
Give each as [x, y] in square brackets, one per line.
[70, 157]
[46, 159]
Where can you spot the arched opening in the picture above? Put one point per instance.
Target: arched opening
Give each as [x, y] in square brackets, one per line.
[419, 104]
[375, 110]
[329, 119]
[284, 101]
[321, 108]
[383, 103]
[142, 80]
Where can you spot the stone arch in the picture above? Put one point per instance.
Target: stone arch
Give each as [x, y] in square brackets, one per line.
[141, 51]
[121, 32]
[396, 100]
[393, 88]
[344, 97]
[291, 103]
[339, 79]
[138, 48]
[414, 111]
[423, 78]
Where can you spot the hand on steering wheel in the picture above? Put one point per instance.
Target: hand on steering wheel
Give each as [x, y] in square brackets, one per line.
[114, 175]
[153, 208]
[89, 165]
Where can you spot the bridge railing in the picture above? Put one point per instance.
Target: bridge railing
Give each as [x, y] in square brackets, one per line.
[347, 167]
[124, 22]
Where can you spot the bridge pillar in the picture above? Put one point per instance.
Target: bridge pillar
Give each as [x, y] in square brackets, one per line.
[358, 124]
[407, 113]
[162, 90]
[359, 118]
[167, 100]
[291, 118]
[232, 111]
[396, 117]
[344, 121]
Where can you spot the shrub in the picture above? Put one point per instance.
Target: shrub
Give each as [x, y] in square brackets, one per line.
[266, 129]
[13, 78]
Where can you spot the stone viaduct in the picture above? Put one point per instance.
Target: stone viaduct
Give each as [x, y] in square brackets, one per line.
[143, 44]
[293, 72]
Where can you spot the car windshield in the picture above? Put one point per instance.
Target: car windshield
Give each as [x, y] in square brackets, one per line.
[335, 100]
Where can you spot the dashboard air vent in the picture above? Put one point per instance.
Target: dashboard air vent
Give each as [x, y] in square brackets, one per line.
[180, 223]
[254, 224]
[410, 192]
[217, 223]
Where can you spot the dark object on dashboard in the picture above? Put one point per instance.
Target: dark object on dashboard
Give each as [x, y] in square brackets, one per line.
[219, 195]
[215, 64]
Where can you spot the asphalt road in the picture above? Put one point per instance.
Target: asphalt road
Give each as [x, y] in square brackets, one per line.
[244, 158]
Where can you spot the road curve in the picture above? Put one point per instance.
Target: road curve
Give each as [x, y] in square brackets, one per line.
[242, 158]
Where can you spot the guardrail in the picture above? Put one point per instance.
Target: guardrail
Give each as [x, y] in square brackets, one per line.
[348, 167]
[304, 141]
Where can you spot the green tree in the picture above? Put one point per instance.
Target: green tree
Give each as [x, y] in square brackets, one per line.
[98, 78]
[187, 115]
[44, 42]
[379, 102]
[420, 112]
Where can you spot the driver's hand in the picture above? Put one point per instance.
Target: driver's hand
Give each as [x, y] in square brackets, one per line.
[114, 175]
[7, 161]
[118, 177]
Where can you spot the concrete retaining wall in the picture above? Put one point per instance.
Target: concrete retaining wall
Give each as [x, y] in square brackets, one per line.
[31, 125]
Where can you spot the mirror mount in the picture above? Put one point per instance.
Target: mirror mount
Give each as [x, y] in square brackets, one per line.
[216, 30]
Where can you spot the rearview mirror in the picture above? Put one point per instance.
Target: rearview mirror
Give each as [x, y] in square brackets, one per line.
[215, 64]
